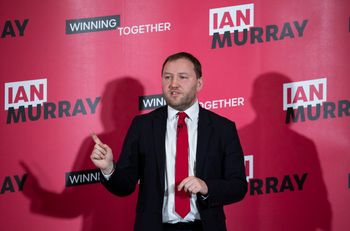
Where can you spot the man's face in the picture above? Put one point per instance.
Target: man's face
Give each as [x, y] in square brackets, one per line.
[180, 84]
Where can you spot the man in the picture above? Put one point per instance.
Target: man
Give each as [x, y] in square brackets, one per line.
[188, 165]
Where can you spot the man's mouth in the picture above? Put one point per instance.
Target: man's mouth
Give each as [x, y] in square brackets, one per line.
[174, 93]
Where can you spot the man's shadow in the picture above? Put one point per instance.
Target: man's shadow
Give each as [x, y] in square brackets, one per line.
[100, 210]
[279, 151]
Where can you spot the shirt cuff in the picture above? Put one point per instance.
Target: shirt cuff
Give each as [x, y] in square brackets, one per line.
[107, 176]
[204, 197]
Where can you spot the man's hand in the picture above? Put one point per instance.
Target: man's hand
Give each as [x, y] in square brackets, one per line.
[193, 185]
[102, 155]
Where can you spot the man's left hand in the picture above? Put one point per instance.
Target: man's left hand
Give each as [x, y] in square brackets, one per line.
[193, 185]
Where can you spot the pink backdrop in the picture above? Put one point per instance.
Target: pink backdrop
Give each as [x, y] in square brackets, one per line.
[264, 63]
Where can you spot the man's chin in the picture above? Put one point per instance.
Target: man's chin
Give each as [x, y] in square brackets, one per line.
[176, 105]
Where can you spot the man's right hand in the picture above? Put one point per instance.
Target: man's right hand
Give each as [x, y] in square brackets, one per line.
[102, 156]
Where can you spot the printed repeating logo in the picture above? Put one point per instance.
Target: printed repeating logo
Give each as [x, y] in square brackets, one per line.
[13, 183]
[27, 101]
[249, 166]
[25, 93]
[308, 100]
[149, 102]
[235, 25]
[304, 93]
[154, 101]
[145, 28]
[85, 25]
[13, 28]
[83, 177]
[231, 19]
[274, 184]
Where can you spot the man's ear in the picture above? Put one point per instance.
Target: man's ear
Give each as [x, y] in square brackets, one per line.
[200, 84]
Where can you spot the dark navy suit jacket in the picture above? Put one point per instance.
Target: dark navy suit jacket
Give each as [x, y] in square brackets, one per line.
[219, 162]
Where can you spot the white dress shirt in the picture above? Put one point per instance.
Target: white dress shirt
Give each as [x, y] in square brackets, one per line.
[169, 214]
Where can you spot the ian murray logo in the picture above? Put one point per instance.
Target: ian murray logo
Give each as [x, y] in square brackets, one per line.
[25, 93]
[85, 25]
[310, 98]
[13, 184]
[13, 28]
[275, 184]
[27, 100]
[234, 25]
[249, 166]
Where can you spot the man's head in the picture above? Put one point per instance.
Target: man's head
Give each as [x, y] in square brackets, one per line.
[181, 80]
[184, 55]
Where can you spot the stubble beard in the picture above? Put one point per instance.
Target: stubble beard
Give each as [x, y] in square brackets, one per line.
[182, 103]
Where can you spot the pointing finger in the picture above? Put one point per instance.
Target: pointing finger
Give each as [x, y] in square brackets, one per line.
[96, 139]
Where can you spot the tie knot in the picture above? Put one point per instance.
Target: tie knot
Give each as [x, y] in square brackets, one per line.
[182, 116]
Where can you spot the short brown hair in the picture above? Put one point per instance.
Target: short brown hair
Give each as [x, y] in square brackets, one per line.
[184, 55]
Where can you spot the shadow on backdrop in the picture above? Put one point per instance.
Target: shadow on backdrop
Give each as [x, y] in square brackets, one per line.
[279, 151]
[100, 210]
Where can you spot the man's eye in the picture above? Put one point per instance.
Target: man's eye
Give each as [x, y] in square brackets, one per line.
[183, 77]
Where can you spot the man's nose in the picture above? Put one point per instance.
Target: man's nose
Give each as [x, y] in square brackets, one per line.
[173, 82]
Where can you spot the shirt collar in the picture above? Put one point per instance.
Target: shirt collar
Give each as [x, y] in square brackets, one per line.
[192, 112]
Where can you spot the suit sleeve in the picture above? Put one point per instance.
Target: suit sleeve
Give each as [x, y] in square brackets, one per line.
[124, 179]
[231, 186]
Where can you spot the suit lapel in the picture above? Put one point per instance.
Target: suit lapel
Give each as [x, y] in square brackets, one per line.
[204, 132]
[159, 124]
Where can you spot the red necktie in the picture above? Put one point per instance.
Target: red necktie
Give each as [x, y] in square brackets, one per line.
[182, 199]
